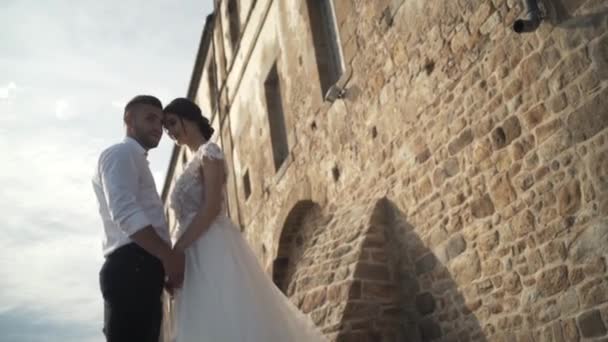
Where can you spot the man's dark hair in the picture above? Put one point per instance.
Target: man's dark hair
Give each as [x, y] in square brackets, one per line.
[143, 99]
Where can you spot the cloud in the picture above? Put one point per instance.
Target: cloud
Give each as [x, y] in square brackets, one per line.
[63, 110]
[26, 325]
[118, 104]
[8, 92]
[7, 96]
[50, 247]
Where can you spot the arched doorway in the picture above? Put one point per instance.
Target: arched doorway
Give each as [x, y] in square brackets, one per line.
[296, 245]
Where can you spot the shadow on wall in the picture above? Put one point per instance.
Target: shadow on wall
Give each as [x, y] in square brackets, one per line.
[406, 293]
[558, 14]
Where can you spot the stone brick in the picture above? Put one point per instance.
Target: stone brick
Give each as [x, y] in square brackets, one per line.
[535, 116]
[459, 41]
[491, 267]
[554, 251]
[361, 309]
[557, 103]
[554, 145]
[512, 283]
[366, 271]
[505, 134]
[573, 94]
[569, 198]
[590, 82]
[514, 88]
[523, 224]
[531, 67]
[378, 291]
[591, 324]
[344, 291]
[481, 152]
[483, 127]
[451, 167]
[593, 293]
[466, 267]
[568, 70]
[490, 23]
[426, 264]
[425, 303]
[568, 302]
[570, 330]
[592, 242]
[455, 246]
[429, 329]
[488, 241]
[546, 130]
[520, 148]
[502, 192]
[463, 140]
[480, 16]
[595, 267]
[597, 164]
[437, 236]
[553, 280]
[314, 300]
[482, 207]
[423, 188]
[577, 275]
[588, 120]
[599, 54]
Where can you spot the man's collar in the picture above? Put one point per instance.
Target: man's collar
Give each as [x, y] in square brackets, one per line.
[136, 144]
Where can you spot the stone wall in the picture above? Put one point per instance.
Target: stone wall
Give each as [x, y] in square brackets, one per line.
[458, 192]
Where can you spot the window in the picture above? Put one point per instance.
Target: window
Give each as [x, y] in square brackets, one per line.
[276, 118]
[247, 185]
[326, 42]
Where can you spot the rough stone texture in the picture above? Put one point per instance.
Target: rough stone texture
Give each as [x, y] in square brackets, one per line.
[459, 189]
[591, 324]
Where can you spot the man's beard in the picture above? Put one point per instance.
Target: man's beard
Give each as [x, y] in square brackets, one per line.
[146, 140]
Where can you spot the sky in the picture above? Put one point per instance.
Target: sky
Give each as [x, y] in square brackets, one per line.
[66, 70]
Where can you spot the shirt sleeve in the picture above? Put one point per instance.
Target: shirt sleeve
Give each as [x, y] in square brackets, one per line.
[119, 178]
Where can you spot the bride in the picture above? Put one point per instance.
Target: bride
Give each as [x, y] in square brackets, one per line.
[225, 296]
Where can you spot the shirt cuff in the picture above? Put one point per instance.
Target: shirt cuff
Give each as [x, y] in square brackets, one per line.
[134, 223]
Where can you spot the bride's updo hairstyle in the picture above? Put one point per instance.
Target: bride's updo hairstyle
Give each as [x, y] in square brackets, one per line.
[186, 109]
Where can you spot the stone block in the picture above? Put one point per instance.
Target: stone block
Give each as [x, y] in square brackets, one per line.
[568, 70]
[553, 281]
[425, 303]
[460, 142]
[502, 192]
[569, 198]
[482, 207]
[590, 119]
[591, 324]
[466, 268]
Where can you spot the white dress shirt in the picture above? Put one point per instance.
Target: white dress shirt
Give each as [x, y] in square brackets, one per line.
[126, 194]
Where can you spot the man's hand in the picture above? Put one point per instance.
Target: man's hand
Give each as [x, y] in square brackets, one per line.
[174, 264]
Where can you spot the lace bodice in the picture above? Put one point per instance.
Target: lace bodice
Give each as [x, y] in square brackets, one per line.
[188, 195]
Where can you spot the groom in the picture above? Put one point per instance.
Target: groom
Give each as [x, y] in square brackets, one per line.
[136, 244]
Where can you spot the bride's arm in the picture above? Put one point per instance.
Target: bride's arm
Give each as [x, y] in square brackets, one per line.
[213, 170]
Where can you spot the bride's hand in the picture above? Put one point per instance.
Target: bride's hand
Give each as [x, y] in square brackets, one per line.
[169, 288]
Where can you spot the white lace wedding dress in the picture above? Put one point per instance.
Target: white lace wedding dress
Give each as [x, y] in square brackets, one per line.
[226, 296]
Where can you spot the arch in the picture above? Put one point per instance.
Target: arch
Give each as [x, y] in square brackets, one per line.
[291, 242]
